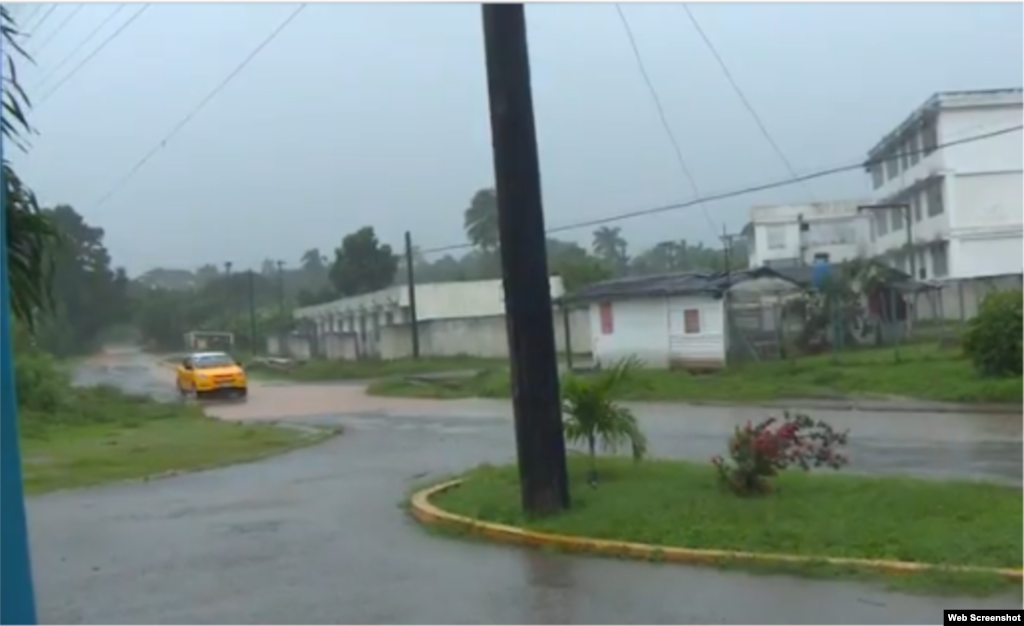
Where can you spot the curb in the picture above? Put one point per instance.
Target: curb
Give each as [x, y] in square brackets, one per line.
[430, 515]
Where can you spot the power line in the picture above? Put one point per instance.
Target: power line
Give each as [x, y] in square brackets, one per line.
[49, 12]
[661, 110]
[81, 44]
[742, 96]
[59, 28]
[202, 104]
[28, 18]
[114, 35]
[745, 190]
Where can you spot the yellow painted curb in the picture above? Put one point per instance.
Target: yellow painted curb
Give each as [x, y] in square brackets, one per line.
[430, 515]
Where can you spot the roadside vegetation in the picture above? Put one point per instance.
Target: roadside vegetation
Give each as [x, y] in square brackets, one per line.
[924, 372]
[75, 437]
[759, 496]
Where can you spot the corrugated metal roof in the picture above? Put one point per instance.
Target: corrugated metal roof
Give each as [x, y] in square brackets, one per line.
[672, 284]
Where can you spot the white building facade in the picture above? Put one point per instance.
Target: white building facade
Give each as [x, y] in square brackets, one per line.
[966, 198]
[465, 318]
[798, 234]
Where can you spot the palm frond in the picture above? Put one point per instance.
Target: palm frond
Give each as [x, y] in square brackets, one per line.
[31, 234]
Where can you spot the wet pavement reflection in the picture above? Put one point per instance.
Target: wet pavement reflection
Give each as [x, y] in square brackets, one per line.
[316, 536]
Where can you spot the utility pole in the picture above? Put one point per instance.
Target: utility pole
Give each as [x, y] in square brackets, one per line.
[252, 311]
[229, 293]
[727, 240]
[280, 289]
[17, 605]
[410, 274]
[536, 402]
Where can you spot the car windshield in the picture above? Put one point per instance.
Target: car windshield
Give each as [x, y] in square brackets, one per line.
[208, 361]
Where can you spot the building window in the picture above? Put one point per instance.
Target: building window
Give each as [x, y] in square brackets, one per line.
[930, 136]
[607, 321]
[877, 176]
[914, 147]
[905, 156]
[940, 260]
[881, 223]
[776, 237]
[892, 166]
[691, 321]
[915, 205]
[896, 219]
[389, 318]
[934, 195]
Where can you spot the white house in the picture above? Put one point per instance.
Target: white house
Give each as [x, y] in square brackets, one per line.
[791, 235]
[669, 320]
[966, 200]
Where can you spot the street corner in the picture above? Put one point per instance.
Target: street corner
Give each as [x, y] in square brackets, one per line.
[430, 515]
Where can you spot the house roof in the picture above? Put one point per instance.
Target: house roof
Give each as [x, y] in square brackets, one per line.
[673, 284]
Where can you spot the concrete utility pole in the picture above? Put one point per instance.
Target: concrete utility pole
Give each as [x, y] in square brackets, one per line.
[252, 311]
[410, 273]
[908, 220]
[536, 403]
[280, 289]
[17, 598]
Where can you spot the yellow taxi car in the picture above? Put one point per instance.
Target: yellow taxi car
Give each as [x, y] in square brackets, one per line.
[205, 375]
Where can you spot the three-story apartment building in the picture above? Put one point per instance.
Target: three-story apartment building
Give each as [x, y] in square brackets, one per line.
[966, 196]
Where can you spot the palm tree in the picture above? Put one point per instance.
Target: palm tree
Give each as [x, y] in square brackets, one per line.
[592, 416]
[481, 220]
[610, 245]
[31, 235]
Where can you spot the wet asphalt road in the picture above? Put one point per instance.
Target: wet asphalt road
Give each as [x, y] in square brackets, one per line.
[317, 536]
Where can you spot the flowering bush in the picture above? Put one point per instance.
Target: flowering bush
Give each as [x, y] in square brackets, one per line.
[757, 453]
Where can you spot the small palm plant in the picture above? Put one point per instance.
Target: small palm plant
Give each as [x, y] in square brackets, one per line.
[592, 416]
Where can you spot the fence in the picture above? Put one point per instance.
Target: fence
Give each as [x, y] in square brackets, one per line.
[794, 323]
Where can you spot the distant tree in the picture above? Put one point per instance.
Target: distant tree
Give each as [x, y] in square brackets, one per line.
[92, 295]
[362, 264]
[206, 272]
[481, 220]
[611, 246]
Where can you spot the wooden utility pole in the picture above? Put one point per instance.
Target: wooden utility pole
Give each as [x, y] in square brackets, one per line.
[410, 274]
[536, 403]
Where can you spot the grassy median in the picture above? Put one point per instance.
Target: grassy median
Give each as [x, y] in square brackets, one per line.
[922, 372]
[817, 515]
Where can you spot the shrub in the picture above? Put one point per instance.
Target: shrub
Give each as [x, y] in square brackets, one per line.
[591, 416]
[993, 336]
[757, 453]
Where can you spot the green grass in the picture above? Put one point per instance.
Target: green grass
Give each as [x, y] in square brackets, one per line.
[921, 372]
[93, 454]
[816, 515]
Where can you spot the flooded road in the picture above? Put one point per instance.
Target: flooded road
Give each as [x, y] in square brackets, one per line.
[316, 536]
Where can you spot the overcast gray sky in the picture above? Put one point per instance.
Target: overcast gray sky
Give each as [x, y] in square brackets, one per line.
[362, 114]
